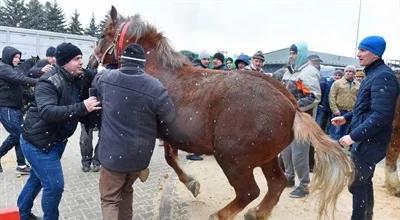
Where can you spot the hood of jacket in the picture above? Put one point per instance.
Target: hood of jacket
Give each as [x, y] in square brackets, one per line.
[302, 54]
[8, 55]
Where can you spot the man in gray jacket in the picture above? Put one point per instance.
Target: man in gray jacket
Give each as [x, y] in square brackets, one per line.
[302, 80]
[134, 105]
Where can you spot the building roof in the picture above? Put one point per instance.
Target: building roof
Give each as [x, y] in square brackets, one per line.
[281, 57]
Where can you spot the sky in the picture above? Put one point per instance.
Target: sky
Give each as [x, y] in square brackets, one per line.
[236, 26]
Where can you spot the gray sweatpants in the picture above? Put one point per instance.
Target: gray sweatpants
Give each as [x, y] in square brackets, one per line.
[296, 158]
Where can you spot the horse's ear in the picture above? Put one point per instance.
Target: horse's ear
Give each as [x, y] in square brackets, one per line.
[114, 14]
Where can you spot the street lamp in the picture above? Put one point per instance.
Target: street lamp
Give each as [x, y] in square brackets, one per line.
[358, 30]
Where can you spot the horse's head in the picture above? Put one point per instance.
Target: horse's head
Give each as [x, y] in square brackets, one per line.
[119, 32]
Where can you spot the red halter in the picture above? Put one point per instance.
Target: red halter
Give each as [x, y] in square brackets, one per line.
[121, 38]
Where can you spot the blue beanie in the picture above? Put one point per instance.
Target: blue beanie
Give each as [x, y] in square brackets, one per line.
[374, 44]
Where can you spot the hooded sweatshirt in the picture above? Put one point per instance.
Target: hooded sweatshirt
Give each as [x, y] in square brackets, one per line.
[11, 80]
[303, 83]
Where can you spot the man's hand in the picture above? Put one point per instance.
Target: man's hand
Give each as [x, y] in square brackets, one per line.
[346, 140]
[338, 121]
[101, 68]
[46, 69]
[92, 104]
[337, 113]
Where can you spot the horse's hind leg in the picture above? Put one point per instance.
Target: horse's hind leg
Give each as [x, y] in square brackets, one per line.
[391, 177]
[171, 155]
[276, 184]
[246, 189]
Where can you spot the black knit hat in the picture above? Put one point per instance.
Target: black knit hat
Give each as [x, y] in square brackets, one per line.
[134, 52]
[65, 52]
[293, 48]
[51, 52]
[133, 55]
[219, 56]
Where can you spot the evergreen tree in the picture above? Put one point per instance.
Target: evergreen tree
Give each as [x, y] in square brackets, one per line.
[92, 29]
[13, 13]
[75, 27]
[2, 15]
[34, 18]
[55, 18]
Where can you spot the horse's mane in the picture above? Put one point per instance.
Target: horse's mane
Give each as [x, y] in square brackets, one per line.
[165, 55]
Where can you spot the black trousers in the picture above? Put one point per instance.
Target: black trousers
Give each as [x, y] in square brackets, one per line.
[365, 156]
[89, 155]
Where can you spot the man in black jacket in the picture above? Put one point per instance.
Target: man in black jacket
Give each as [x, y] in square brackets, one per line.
[49, 122]
[11, 81]
[134, 105]
[45, 65]
[371, 123]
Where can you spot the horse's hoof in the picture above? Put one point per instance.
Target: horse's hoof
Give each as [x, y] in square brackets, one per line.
[213, 217]
[194, 187]
[144, 174]
[251, 214]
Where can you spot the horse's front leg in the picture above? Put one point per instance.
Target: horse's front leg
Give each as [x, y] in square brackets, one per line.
[171, 156]
[391, 177]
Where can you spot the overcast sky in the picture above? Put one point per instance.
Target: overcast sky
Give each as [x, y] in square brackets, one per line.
[247, 26]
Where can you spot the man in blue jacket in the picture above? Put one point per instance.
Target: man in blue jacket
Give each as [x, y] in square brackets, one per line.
[134, 105]
[371, 123]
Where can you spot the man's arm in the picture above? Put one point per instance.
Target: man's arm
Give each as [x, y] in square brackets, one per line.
[384, 92]
[308, 84]
[8, 74]
[46, 97]
[332, 97]
[165, 107]
[36, 71]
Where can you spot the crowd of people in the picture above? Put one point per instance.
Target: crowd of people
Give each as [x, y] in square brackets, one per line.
[354, 108]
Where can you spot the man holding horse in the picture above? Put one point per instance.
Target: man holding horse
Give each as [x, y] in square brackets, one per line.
[371, 123]
[11, 81]
[49, 122]
[135, 105]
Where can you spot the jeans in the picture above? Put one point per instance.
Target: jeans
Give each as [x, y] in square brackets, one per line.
[11, 118]
[340, 131]
[46, 173]
[324, 120]
[365, 157]
[86, 145]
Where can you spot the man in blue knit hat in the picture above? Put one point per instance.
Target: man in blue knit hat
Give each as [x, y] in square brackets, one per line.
[371, 123]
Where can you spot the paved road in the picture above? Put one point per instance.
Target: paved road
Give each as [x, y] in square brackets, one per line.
[81, 198]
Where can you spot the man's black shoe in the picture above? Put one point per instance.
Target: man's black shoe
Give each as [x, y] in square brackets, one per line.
[194, 157]
[290, 183]
[86, 169]
[34, 217]
[96, 168]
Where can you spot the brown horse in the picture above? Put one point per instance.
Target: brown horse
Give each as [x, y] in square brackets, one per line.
[391, 176]
[244, 119]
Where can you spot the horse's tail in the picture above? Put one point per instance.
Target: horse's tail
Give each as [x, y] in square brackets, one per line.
[333, 169]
